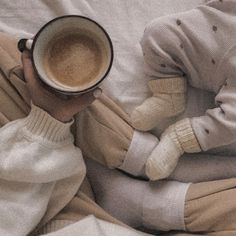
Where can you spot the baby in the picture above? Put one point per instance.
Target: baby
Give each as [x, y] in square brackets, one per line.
[197, 48]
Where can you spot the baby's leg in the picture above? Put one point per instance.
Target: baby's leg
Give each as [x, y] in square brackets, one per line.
[168, 84]
[164, 103]
[187, 45]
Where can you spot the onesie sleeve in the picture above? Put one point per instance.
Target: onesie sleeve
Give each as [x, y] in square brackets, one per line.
[218, 126]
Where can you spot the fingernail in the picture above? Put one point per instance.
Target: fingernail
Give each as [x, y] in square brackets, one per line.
[97, 92]
[29, 43]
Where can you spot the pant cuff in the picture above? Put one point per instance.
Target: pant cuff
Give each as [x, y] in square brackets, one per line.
[140, 148]
[163, 205]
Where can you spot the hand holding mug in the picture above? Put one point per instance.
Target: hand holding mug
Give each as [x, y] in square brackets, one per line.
[61, 109]
[69, 56]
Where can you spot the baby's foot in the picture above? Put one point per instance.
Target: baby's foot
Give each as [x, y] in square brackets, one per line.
[168, 100]
[163, 158]
[157, 169]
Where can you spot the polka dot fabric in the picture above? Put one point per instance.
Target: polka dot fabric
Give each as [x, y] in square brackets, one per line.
[201, 45]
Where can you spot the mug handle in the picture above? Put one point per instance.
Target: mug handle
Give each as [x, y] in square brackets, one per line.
[24, 44]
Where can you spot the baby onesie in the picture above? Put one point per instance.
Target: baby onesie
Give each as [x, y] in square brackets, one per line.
[196, 47]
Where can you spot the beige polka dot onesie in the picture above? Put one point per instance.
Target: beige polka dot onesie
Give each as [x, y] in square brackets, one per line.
[198, 48]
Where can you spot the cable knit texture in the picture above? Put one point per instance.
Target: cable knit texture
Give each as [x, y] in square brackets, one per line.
[40, 123]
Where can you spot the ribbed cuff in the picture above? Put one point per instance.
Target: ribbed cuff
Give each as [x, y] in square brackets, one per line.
[174, 138]
[140, 148]
[40, 123]
[163, 205]
[168, 85]
[186, 136]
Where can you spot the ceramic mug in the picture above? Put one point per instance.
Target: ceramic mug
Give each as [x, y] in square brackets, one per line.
[71, 54]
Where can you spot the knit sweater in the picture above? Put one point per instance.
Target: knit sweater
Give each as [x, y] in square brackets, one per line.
[39, 164]
[200, 44]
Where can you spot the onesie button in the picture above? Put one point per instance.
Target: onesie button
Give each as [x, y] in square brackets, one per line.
[214, 28]
[178, 22]
[174, 59]
[222, 111]
[207, 131]
[163, 65]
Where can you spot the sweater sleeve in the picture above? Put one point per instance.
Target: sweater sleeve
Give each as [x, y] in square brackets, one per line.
[38, 149]
[218, 126]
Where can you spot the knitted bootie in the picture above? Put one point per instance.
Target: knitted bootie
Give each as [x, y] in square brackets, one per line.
[168, 100]
[176, 140]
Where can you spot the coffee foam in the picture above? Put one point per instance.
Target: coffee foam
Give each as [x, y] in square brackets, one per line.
[75, 59]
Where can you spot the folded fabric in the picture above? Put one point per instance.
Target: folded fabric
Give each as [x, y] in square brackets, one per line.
[104, 133]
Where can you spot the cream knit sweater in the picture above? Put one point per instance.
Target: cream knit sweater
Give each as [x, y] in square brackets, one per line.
[39, 165]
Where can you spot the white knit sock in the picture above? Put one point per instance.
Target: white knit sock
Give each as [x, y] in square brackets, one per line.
[168, 100]
[176, 140]
[164, 158]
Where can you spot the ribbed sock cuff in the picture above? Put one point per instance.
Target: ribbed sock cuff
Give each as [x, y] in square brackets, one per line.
[40, 123]
[141, 146]
[186, 136]
[168, 85]
[174, 138]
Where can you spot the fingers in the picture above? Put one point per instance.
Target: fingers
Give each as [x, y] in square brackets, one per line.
[27, 64]
[29, 73]
[70, 106]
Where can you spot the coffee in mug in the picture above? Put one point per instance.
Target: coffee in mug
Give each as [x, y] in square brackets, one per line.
[71, 54]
